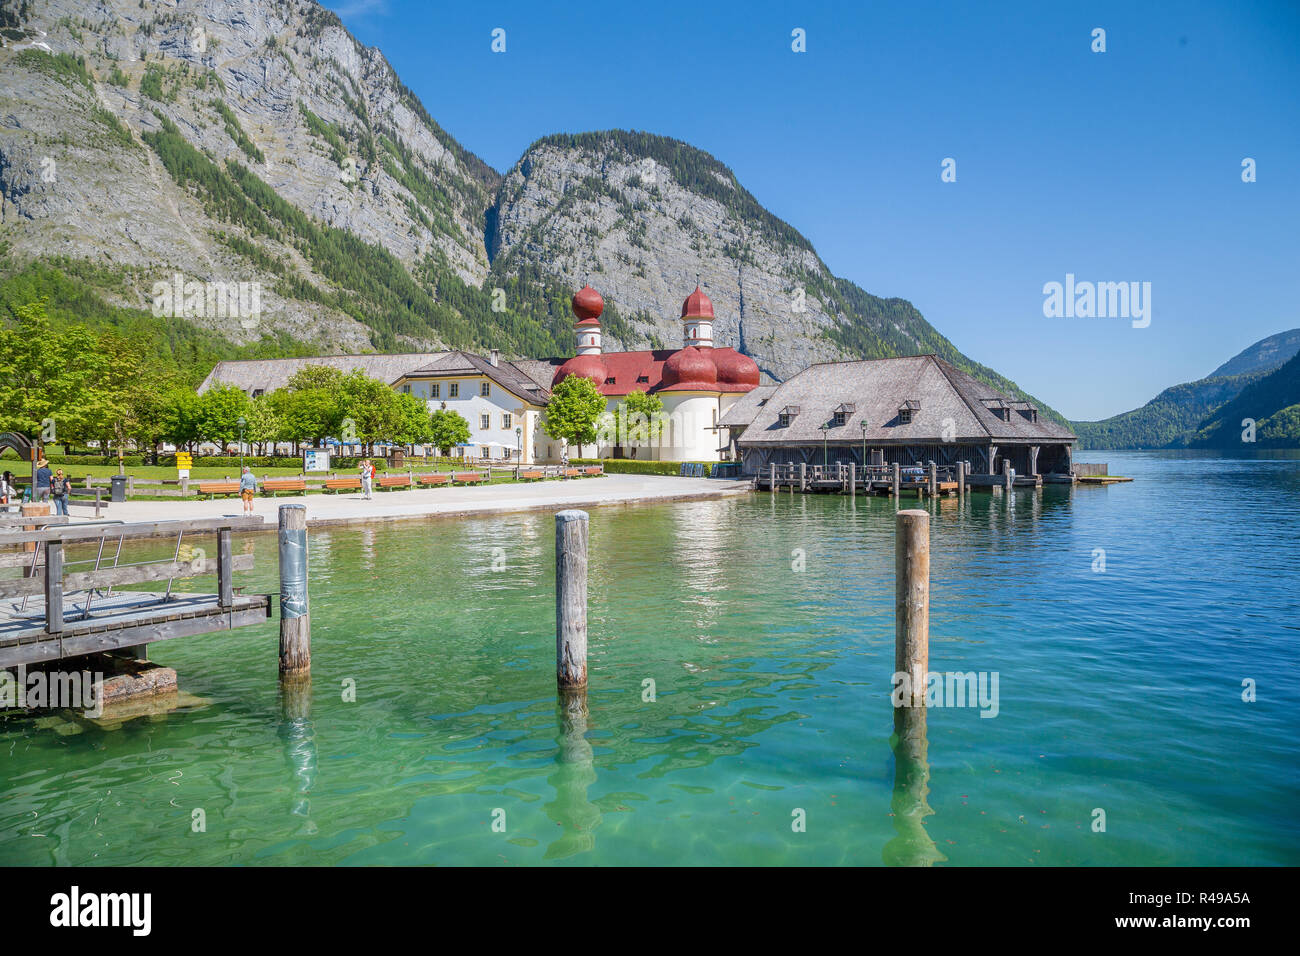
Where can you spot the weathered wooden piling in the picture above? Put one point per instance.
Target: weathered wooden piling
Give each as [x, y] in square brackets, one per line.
[803, 476]
[934, 480]
[912, 602]
[773, 486]
[295, 614]
[961, 479]
[853, 480]
[896, 479]
[1006, 475]
[571, 599]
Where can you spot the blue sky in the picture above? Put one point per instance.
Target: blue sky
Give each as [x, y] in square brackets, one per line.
[1115, 166]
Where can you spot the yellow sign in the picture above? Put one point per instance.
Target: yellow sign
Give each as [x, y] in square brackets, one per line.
[184, 459]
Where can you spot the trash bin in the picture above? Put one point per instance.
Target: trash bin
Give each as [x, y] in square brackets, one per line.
[119, 488]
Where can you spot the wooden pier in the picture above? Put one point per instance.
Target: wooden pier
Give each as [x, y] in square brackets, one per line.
[927, 481]
[62, 608]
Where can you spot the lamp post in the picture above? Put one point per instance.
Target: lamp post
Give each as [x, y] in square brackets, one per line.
[519, 443]
[825, 430]
[863, 423]
[241, 423]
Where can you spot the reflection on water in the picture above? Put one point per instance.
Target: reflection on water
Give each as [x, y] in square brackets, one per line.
[771, 678]
[912, 846]
[575, 772]
[299, 742]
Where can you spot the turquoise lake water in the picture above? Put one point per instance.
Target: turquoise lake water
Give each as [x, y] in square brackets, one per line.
[1119, 690]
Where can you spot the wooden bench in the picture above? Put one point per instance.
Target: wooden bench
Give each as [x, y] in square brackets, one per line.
[343, 484]
[432, 479]
[273, 485]
[214, 488]
[394, 481]
[531, 476]
[594, 469]
[571, 473]
[469, 477]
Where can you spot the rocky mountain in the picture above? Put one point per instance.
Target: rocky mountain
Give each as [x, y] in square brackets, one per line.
[1182, 415]
[257, 142]
[1264, 356]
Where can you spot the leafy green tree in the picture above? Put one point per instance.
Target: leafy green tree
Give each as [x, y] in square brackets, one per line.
[264, 424]
[638, 421]
[49, 374]
[573, 411]
[220, 409]
[372, 407]
[447, 429]
[182, 414]
[413, 423]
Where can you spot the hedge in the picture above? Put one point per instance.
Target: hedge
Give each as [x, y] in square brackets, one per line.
[630, 466]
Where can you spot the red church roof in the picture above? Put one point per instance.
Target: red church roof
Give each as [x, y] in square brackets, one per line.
[697, 305]
[618, 373]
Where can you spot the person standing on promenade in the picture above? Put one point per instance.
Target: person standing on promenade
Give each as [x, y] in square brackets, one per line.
[367, 478]
[61, 488]
[247, 489]
[44, 479]
[7, 490]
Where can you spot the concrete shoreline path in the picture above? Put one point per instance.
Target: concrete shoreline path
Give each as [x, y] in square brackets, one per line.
[426, 503]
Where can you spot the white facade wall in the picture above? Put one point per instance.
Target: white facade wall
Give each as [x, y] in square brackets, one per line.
[498, 439]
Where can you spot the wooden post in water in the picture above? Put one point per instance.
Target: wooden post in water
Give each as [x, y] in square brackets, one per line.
[961, 479]
[934, 480]
[853, 479]
[912, 603]
[803, 476]
[773, 488]
[571, 599]
[295, 616]
[897, 479]
[1006, 475]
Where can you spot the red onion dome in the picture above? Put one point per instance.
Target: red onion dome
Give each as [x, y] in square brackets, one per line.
[586, 366]
[690, 366]
[734, 368]
[588, 304]
[697, 306]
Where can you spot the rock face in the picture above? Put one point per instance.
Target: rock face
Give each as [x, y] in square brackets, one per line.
[315, 108]
[255, 141]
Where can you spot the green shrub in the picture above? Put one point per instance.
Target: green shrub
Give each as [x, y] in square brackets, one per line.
[630, 466]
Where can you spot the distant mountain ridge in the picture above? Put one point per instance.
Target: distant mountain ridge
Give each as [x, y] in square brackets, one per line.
[1264, 356]
[1195, 414]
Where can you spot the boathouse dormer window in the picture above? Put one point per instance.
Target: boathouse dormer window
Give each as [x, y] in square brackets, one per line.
[906, 409]
[840, 418]
[1030, 413]
[837, 420]
[787, 415]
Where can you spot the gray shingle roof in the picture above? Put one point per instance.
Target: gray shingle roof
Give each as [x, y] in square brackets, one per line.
[270, 374]
[506, 374]
[879, 388]
[744, 409]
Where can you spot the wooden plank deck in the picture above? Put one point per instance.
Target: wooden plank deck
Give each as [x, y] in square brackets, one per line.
[126, 619]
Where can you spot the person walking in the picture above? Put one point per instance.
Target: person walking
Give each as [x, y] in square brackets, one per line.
[7, 490]
[247, 489]
[44, 480]
[367, 478]
[61, 488]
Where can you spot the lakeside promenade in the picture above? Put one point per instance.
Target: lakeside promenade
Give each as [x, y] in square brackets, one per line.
[351, 508]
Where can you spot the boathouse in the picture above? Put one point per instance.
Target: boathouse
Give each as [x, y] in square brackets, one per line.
[910, 410]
